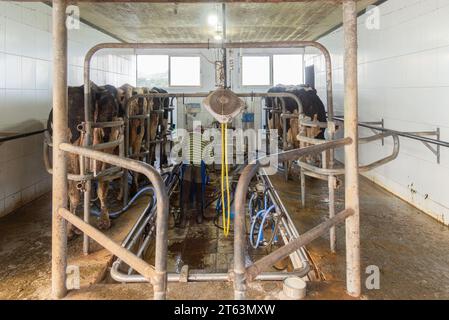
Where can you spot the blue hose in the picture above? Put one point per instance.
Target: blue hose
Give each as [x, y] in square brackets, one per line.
[116, 214]
[263, 214]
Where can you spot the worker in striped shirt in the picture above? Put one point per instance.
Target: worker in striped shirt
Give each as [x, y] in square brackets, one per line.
[192, 177]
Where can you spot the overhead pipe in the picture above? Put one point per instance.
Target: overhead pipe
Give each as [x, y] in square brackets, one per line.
[226, 45]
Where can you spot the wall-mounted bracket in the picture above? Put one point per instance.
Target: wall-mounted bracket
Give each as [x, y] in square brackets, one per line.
[436, 150]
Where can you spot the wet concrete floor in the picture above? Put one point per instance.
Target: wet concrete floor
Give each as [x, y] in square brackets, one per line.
[409, 247]
[203, 247]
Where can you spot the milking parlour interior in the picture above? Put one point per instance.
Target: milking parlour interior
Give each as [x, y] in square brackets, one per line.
[224, 150]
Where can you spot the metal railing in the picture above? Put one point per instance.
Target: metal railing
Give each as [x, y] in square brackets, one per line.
[330, 174]
[157, 274]
[288, 232]
[20, 135]
[59, 201]
[242, 274]
[422, 136]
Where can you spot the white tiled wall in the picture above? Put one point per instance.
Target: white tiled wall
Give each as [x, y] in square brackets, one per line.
[26, 90]
[404, 79]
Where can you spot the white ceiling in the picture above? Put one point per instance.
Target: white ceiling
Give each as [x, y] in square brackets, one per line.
[187, 22]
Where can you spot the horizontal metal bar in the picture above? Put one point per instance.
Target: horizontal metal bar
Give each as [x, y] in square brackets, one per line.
[205, 94]
[283, 252]
[298, 153]
[107, 145]
[289, 115]
[361, 169]
[272, 110]
[129, 258]
[312, 174]
[311, 141]
[424, 133]
[139, 116]
[197, 276]
[373, 123]
[21, 135]
[316, 124]
[402, 134]
[109, 124]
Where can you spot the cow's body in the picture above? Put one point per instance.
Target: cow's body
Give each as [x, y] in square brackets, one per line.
[104, 109]
[312, 105]
[139, 106]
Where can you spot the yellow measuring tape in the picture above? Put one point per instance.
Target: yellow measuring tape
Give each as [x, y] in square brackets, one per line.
[226, 209]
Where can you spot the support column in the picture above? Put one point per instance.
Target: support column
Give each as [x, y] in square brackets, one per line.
[59, 197]
[353, 284]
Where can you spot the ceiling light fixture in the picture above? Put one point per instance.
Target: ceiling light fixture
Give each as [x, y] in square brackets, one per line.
[212, 20]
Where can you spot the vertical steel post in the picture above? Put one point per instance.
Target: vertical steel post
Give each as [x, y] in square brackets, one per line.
[87, 142]
[59, 195]
[303, 187]
[332, 181]
[87, 189]
[353, 284]
[330, 104]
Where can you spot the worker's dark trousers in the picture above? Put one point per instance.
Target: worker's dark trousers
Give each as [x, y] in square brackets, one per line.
[189, 187]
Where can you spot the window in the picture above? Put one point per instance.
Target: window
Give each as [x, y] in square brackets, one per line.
[152, 71]
[185, 71]
[287, 69]
[256, 71]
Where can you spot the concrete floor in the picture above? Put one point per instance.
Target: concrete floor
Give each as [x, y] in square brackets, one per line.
[202, 247]
[409, 247]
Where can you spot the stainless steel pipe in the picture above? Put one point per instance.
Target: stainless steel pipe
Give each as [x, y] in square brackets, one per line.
[160, 280]
[353, 273]
[59, 195]
[241, 192]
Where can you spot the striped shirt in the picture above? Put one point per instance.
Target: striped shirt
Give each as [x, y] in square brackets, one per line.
[192, 149]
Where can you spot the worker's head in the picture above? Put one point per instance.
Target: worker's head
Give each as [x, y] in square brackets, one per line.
[197, 128]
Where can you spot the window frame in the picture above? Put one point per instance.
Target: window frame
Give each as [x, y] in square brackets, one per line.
[270, 66]
[301, 66]
[153, 54]
[170, 69]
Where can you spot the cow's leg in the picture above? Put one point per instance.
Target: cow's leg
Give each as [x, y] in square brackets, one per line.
[164, 159]
[154, 121]
[104, 222]
[137, 148]
[116, 133]
[133, 137]
[74, 200]
[185, 197]
[102, 189]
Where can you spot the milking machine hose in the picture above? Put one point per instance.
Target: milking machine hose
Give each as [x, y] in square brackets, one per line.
[114, 215]
[263, 214]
